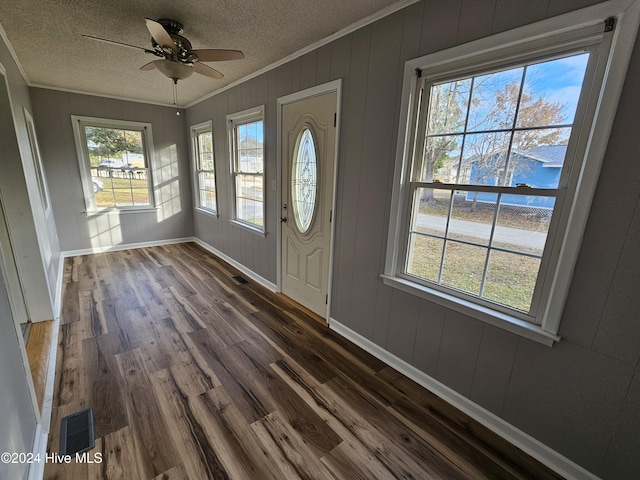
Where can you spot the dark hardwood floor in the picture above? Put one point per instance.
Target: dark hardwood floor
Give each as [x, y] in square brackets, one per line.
[193, 375]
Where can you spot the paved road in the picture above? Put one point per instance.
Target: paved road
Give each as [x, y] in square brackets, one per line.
[518, 238]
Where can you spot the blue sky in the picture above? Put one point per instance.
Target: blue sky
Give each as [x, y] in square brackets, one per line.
[560, 80]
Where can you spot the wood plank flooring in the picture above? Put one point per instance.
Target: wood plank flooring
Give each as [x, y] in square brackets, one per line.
[38, 349]
[193, 375]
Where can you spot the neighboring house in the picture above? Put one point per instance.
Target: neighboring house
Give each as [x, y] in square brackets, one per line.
[537, 167]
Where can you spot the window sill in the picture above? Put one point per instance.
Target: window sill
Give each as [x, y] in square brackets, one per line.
[249, 227]
[497, 319]
[120, 211]
[207, 212]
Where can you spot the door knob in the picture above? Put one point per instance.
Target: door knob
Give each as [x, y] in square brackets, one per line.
[283, 219]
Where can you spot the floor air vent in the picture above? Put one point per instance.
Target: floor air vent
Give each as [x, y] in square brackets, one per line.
[76, 433]
[240, 279]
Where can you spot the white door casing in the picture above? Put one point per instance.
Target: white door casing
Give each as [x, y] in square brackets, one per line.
[306, 234]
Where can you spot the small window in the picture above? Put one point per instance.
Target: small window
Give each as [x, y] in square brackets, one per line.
[114, 159]
[497, 162]
[204, 168]
[246, 138]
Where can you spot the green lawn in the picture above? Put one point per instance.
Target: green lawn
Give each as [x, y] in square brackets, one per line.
[510, 278]
[122, 192]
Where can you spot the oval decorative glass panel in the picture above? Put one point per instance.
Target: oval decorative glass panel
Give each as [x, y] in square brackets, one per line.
[304, 180]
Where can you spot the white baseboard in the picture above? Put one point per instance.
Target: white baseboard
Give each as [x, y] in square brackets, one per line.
[249, 273]
[520, 439]
[123, 246]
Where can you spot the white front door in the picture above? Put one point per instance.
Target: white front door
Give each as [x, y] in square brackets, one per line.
[308, 170]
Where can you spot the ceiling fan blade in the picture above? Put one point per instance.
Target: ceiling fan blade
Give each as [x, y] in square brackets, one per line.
[217, 55]
[116, 43]
[149, 66]
[160, 35]
[207, 70]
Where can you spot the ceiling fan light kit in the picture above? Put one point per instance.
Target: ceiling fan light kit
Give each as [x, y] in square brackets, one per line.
[174, 70]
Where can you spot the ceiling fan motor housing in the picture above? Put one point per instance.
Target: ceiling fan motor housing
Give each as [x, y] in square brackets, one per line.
[183, 46]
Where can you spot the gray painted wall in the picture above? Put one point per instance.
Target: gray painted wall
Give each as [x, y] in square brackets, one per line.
[34, 242]
[173, 217]
[581, 397]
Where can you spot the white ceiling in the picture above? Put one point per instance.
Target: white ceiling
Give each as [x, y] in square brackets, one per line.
[45, 35]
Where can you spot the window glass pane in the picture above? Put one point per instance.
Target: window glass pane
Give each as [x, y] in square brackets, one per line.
[537, 157]
[523, 223]
[485, 157]
[471, 221]
[448, 103]
[432, 211]
[207, 189]
[511, 279]
[205, 142]
[207, 181]
[304, 180]
[249, 147]
[249, 211]
[209, 200]
[463, 266]
[551, 91]
[441, 159]
[249, 198]
[424, 256]
[494, 99]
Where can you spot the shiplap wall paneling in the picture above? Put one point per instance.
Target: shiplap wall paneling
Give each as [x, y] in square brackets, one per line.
[349, 169]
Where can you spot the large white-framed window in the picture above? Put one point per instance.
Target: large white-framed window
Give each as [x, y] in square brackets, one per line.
[115, 159]
[246, 145]
[204, 168]
[497, 162]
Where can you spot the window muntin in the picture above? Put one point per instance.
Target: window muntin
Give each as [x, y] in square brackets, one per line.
[114, 158]
[304, 180]
[247, 152]
[204, 167]
[488, 173]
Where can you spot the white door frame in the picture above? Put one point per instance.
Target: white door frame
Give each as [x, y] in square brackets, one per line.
[333, 86]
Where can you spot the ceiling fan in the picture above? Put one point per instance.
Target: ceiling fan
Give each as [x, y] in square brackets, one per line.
[178, 60]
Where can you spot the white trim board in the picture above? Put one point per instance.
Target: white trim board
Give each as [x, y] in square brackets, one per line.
[36, 469]
[518, 438]
[124, 246]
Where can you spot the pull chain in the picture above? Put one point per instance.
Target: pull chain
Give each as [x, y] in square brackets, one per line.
[175, 95]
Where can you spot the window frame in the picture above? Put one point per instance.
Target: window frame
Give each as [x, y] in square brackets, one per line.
[234, 121]
[196, 130]
[79, 123]
[538, 40]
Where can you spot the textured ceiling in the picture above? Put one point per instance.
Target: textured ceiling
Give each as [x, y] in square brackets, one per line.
[45, 35]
